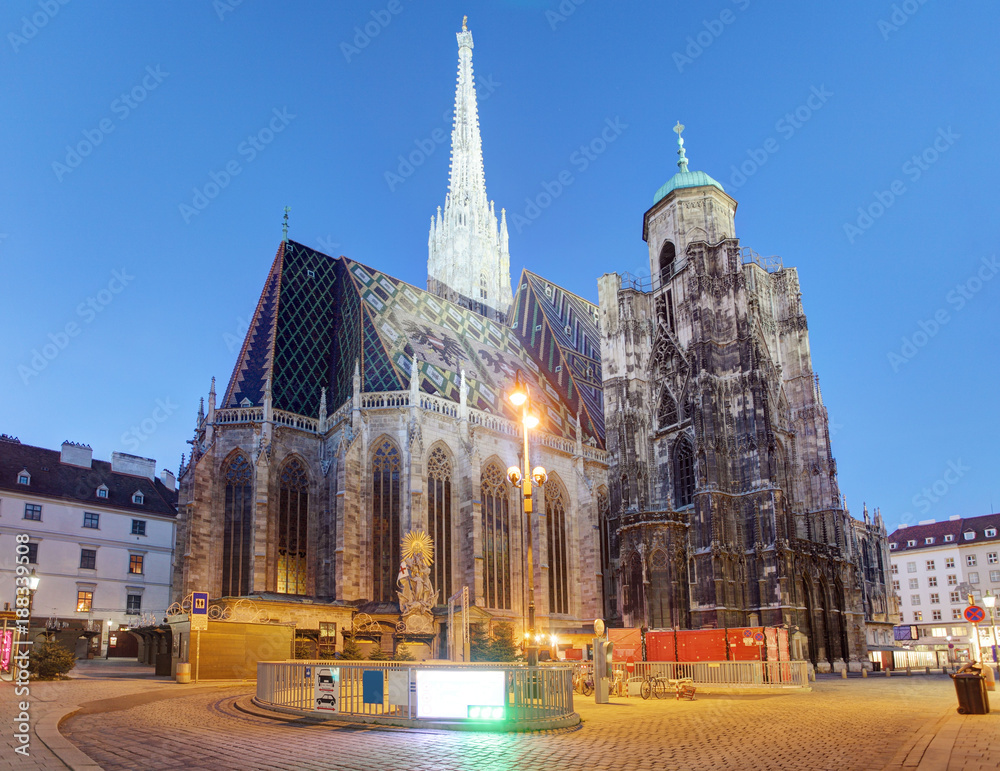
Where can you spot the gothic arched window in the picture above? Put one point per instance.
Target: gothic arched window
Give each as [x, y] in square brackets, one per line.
[667, 255]
[293, 528]
[385, 521]
[603, 510]
[634, 591]
[439, 519]
[237, 531]
[555, 520]
[683, 474]
[482, 285]
[667, 413]
[496, 538]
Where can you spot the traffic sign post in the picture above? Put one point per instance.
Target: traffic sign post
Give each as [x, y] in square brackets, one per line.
[199, 622]
[974, 614]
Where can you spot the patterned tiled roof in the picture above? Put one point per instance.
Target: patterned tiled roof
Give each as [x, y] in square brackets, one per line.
[318, 315]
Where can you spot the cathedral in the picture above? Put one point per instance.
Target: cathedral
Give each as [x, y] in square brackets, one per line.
[363, 410]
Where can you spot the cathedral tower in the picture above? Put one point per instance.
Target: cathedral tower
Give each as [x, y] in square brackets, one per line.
[468, 261]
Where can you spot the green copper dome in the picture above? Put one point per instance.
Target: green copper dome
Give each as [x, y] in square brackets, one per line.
[686, 179]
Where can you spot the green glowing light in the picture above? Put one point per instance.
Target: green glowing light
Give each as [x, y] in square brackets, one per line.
[473, 712]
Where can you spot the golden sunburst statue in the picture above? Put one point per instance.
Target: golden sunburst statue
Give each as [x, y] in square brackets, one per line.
[418, 545]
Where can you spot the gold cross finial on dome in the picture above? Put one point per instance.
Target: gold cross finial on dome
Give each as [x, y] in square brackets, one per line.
[465, 20]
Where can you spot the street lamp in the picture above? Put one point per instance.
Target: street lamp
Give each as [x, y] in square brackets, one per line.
[520, 397]
[33, 581]
[990, 600]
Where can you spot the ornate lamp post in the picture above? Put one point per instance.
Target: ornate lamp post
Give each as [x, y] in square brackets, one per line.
[990, 601]
[33, 581]
[523, 478]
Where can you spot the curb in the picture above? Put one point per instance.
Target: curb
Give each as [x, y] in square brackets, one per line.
[47, 731]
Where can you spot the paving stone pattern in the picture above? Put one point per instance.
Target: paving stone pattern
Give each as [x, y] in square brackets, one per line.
[842, 725]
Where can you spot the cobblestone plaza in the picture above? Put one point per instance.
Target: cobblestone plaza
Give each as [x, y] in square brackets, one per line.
[843, 724]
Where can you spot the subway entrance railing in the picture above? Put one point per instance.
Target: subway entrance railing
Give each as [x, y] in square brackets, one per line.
[500, 697]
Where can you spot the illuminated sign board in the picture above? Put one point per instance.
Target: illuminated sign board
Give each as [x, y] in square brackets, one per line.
[448, 693]
[6, 647]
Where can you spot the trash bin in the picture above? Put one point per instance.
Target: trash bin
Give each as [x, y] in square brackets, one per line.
[971, 690]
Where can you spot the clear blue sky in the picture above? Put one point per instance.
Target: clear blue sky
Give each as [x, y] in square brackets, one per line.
[170, 92]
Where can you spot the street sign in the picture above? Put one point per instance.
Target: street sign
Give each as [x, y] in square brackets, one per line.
[199, 611]
[974, 614]
[630, 665]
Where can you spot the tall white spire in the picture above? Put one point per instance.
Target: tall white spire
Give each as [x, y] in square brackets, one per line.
[468, 261]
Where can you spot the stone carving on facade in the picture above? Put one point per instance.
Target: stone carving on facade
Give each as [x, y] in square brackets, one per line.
[417, 595]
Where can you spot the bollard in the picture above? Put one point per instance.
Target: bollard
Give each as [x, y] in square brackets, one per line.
[843, 674]
[864, 673]
[909, 672]
[887, 672]
[927, 670]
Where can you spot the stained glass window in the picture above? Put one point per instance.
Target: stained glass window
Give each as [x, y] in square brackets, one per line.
[683, 474]
[496, 538]
[237, 528]
[439, 519]
[385, 521]
[293, 528]
[555, 517]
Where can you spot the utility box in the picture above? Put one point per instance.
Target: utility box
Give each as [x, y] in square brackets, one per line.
[971, 690]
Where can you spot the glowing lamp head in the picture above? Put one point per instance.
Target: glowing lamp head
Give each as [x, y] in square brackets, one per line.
[514, 475]
[517, 398]
[539, 475]
[33, 580]
[989, 600]
[530, 421]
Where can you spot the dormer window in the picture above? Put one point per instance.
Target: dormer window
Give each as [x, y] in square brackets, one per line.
[23, 477]
[246, 402]
[970, 535]
[137, 497]
[949, 538]
[892, 546]
[911, 543]
[928, 541]
[991, 532]
[102, 491]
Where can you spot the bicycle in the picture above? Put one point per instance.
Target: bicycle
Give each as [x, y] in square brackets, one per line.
[583, 682]
[653, 685]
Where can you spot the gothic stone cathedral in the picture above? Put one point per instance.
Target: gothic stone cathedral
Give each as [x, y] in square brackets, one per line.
[362, 407]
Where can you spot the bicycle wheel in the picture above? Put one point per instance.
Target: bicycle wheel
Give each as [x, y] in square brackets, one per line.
[646, 690]
[588, 688]
[661, 689]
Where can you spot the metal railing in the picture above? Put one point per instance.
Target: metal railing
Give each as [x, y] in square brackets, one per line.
[728, 674]
[533, 694]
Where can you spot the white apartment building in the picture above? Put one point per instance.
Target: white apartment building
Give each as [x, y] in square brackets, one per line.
[935, 566]
[99, 536]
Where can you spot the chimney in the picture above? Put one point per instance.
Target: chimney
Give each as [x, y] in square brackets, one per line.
[168, 479]
[74, 454]
[123, 463]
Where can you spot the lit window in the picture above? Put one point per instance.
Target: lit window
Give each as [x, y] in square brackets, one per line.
[90, 519]
[974, 577]
[88, 559]
[138, 527]
[956, 614]
[137, 497]
[932, 581]
[935, 598]
[84, 601]
[918, 616]
[959, 631]
[930, 564]
[938, 631]
[102, 492]
[949, 562]
[970, 560]
[914, 599]
[133, 604]
[33, 512]
[911, 567]
[991, 558]
[952, 580]
[135, 563]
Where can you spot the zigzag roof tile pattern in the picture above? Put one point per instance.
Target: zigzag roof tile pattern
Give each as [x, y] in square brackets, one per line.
[318, 315]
